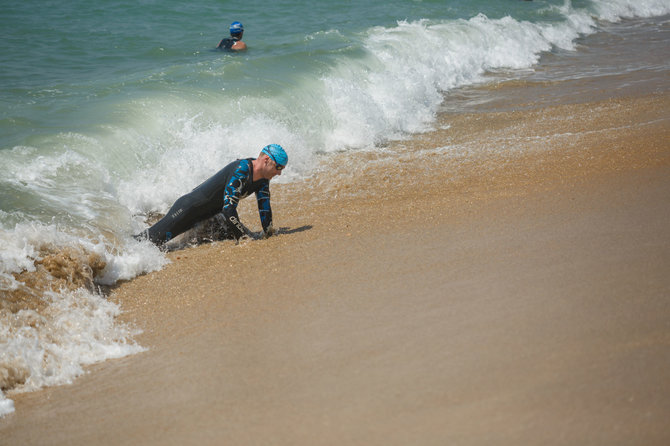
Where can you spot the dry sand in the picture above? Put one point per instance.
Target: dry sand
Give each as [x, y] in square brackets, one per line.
[508, 299]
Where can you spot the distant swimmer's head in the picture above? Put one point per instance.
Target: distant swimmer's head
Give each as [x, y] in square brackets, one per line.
[276, 154]
[236, 29]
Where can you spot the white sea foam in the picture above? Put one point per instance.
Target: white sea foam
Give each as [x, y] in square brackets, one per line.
[397, 88]
[615, 10]
[51, 347]
[49, 341]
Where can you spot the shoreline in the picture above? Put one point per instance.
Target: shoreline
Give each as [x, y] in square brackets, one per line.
[473, 297]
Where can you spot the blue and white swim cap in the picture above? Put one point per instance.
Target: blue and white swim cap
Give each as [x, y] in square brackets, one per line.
[236, 28]
[276, 153]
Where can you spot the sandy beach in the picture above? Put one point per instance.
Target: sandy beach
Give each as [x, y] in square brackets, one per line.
[434, 299]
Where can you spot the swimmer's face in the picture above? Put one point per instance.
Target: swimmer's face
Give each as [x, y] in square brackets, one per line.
[271, 168]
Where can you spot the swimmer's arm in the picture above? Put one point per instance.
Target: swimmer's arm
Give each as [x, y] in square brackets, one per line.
[264, 209]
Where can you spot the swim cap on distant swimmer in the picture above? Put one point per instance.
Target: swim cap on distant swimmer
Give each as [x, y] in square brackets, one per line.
[276, 153]
[236, 28]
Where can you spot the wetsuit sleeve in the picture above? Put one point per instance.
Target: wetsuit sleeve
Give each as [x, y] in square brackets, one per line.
[264, 209]
[231, 197]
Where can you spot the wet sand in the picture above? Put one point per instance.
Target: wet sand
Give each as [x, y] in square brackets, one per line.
[497, 297]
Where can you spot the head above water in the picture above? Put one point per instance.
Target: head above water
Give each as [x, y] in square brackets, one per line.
[276, 154]
[236, 29]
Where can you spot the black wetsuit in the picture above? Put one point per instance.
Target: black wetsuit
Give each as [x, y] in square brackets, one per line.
[227, 44]
[219, 194]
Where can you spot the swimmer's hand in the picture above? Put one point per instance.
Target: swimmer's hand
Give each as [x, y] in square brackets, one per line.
[269, 232]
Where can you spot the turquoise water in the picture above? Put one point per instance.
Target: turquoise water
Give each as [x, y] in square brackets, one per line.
[112, 110]
[72, 66]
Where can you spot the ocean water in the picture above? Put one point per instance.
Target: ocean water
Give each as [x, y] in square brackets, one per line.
[112, 111]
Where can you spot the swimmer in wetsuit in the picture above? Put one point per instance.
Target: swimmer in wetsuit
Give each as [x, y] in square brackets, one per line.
[219, 195]
[234, 42]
